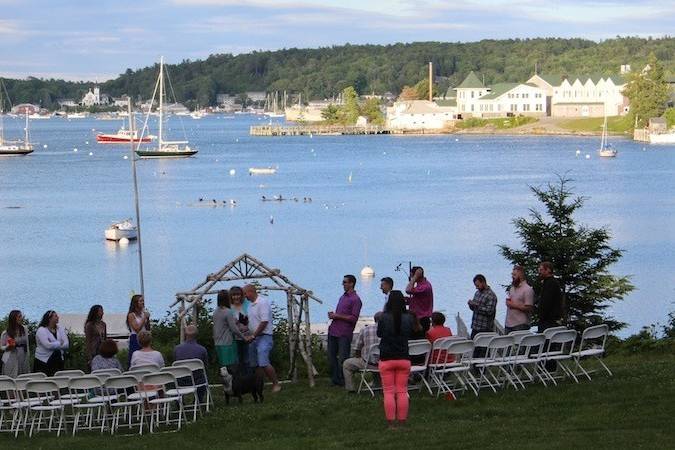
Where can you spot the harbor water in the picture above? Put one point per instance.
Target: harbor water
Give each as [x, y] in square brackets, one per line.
[444, 202]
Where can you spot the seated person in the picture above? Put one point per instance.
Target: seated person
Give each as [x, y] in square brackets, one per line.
[439, 330]
[366, 338]
[106, 358]
[191, 349]
[146, 355]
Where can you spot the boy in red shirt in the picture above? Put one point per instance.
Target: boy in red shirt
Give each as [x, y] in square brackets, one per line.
[439, 330]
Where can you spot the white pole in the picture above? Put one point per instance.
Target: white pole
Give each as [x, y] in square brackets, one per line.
[161, 99]
[138, 211]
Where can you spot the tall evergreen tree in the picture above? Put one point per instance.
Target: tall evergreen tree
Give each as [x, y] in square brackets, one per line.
[581, 256]
[648, 92]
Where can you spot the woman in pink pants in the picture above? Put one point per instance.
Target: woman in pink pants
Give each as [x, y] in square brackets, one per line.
[394, 329]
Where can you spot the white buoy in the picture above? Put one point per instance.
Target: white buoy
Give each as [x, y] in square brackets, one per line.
[233, 172]
[126, 157]
[349, 178]
[74, 149]
[578, 152]
[456, 140]
[86, 142]
[236, 140]
[91, 153]
[44, 146]
[588, 156]
[367, 272]
[124, 241]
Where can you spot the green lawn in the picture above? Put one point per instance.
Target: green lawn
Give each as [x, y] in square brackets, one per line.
[501, 123]
[633, 409]
[615, 124]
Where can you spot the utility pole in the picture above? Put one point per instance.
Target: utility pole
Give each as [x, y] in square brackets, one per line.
[431, 81]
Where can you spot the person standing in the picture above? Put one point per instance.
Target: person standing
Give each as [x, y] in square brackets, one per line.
[550, 305]
[224, 331]
[395, 328]
[421, 301]
[15, 346]
[519, 302]
[138, 319]
[51, 341]
[484, 306]
[260, 323]
[95, 332]
[386, 285]
[239, 306]
[341, 329]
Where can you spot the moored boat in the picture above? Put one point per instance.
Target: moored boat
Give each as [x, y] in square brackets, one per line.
[120, 230]
[262, 171]
[123, 136]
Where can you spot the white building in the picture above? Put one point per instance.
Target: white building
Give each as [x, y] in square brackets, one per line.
[420, 115]
[511, 99]
[583, 95]
[121, 102]
[468, 93]
[66, 103]
[92, 98]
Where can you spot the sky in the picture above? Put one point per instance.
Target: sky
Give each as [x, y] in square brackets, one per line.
[97, 40]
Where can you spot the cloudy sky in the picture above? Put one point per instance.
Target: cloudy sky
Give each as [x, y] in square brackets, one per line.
[98, 39]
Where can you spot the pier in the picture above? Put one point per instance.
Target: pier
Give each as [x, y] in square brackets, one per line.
[316, 130]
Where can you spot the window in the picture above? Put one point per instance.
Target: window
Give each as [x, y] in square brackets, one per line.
[537, 107]
[514, 107]
[471, 94]
[526, 106]
[471, 108]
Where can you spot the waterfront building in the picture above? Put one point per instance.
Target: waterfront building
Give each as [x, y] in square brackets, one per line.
[66, 103]
[420, 115]
[256, 96]
[121, 102]
[25, 108]
[582, 95]
[468, 93]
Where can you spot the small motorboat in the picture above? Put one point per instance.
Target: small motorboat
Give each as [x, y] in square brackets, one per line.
[262, 171]
[119, 230]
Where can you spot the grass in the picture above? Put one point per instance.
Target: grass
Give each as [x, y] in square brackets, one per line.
[615, 124]
[633, 409]
[503, 123]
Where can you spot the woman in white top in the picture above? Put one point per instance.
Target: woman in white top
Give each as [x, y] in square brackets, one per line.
[51, 341]
[146, 355]
[138, 319]
[14, 345]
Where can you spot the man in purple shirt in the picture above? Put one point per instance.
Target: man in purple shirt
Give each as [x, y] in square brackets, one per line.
[421, 300]
[341, 329]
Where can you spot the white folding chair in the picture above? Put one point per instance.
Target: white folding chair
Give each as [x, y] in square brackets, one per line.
[452, 358]
[94, 407]
[420, 350]
[142, 390]
[32, 375]
[592, 345]
[186, 386]
[9, 402]
[119, 389]
[69, 373]
[111, 372]
[160, 405]
[371, 354]
[563, 341]
[151, 367]
[197, 365]
[43, 398]
[497, 362]
[481, 340]
[528, 354]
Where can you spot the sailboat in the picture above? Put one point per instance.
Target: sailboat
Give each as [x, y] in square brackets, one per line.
[12, 148]
[606, 150]
[123, 136]
[164, 149]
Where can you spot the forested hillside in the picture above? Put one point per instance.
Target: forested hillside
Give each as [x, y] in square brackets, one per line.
[323, 72]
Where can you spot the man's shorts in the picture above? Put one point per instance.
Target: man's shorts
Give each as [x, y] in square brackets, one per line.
[259, 351]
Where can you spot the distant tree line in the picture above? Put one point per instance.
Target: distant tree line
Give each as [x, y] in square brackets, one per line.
[324, 72]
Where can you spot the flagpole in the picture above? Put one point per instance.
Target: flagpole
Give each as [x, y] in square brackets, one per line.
[138, 211]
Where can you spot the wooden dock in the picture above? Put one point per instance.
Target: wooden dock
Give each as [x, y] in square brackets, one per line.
[316, 130]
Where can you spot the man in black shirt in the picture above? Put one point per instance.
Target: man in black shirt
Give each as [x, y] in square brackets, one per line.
[550, 306]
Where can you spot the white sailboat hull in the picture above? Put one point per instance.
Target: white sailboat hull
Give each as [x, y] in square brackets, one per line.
[115, 234]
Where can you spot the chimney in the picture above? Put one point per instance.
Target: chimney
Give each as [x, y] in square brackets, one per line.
[431, 81]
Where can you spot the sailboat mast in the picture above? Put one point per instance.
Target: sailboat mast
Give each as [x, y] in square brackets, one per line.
[161, 99]
[26, 129]
[136, 204]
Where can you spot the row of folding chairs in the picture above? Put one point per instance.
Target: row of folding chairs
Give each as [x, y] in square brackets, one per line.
[449, 365]
[105, 399]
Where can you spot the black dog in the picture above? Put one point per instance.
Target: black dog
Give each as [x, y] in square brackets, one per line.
[238, 383]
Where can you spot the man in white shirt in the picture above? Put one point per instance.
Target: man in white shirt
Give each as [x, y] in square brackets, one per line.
[260, 323]
[519, 302]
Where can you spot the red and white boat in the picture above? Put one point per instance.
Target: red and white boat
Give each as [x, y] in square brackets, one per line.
[123, 136]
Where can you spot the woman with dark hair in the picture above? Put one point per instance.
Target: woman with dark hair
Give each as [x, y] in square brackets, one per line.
[224, 331]
[95, 332]
[14, 345]
[106, 359]
[51, 341]
[138, 319]
[394, 329]
[239, 306]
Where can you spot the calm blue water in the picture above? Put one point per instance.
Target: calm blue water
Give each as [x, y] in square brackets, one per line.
[444, 202]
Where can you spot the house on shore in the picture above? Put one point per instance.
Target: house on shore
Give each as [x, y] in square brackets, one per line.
[420, 115]
[582, 95]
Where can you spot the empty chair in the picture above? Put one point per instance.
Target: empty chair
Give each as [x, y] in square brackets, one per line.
[119, 389]
[497, 362]
[151, 367]
[39, 410]
[160, 405]
[92, 407]
[138, 375]
[559, 349]
[453, 358]
[9, 403]
[372, 353]
[592, 345]
[527, 359]
[422, 350]
[69, 373]
[186, 386]
[32, 375]
[108, 371]
[199, 373]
